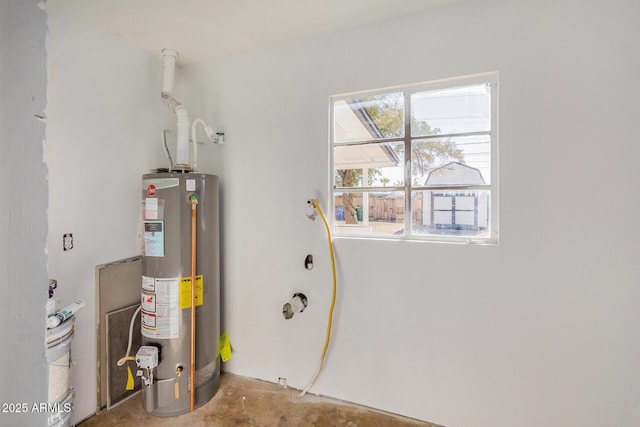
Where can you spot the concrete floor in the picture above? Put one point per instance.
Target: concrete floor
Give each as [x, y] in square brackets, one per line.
[247, 402]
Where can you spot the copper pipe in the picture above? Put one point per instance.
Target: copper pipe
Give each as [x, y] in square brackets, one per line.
[194, 203]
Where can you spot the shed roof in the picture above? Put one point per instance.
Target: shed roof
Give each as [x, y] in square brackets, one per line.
[455, 173]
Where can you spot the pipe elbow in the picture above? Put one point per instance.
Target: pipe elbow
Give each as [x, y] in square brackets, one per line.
[181, 111]
[169, 101]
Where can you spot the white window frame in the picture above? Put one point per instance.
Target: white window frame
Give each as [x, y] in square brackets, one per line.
[408, 188]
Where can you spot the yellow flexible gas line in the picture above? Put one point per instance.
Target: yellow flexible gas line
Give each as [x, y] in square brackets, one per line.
[333, 299]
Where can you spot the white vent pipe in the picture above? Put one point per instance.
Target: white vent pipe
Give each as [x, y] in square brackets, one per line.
[182, 151]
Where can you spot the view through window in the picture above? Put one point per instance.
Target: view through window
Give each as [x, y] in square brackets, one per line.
[417, 161]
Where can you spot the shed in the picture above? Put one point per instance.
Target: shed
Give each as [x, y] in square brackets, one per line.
[450, 205]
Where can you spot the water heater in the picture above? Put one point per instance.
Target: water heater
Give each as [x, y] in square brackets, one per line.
[166, 291]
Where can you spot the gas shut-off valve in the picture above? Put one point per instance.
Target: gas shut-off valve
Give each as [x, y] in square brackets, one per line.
[147, 361]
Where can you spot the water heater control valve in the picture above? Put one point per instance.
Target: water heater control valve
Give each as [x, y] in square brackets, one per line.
[147, 357]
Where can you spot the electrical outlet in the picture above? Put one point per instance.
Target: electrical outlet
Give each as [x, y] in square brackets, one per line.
[67, 242]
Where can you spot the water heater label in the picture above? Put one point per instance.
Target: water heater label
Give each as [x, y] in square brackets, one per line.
[148, 322]
[161, 310]
[150, 208]
[154, 238]
[185, 291]
[153, 185]
[148, 301]
[148, 284]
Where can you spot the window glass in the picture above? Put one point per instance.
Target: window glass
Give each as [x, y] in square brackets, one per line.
[369, 213]
[450, 212]
[447, 157]
[369, 118]
[429, 155]
[453, 110]
[369, 165]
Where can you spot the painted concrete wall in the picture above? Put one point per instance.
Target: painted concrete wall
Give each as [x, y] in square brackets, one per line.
[23, 215]
[105, 119]
[539, 330]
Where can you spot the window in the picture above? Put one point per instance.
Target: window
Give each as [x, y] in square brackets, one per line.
[417, 162]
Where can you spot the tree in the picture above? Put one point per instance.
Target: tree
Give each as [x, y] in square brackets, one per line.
[347, 178]
[387, 113]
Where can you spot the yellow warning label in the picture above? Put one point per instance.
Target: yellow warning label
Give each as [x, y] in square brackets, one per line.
[185, 291]
[130, 383]
[225, 347]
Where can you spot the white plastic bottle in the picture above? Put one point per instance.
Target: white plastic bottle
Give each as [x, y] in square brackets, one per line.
[64, 314]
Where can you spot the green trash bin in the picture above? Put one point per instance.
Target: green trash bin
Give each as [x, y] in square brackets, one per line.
[359, 213]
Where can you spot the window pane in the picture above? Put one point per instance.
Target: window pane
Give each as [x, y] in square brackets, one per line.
[379, 213]
[369, 118]
[432, 160]
[455, 110]
[450, 212]
[369, 165]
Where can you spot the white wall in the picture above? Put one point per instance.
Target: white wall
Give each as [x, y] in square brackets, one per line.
[23, 211]
[539, 330]
[105, 120]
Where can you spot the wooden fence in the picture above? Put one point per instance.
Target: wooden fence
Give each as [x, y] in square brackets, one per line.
[387, 207]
